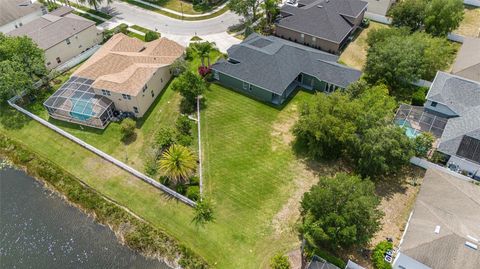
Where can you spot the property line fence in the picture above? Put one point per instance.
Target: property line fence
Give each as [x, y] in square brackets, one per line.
[425, 164]
[77, 59]
[200, 173]
[378, 18]
[105, 156]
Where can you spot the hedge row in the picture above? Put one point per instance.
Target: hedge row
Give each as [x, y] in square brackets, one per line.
[140, 235]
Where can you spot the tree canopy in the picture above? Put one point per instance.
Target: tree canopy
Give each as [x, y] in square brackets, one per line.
[340, 212]
[436, 17]
[246, 8]
[397, 58]
[190, 86]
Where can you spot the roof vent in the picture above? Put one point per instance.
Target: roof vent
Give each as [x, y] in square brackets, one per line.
[437, 229]
[327, 1]
[471, 245]
[319, 6]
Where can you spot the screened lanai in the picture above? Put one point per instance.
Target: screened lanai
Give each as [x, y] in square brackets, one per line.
[77, 102]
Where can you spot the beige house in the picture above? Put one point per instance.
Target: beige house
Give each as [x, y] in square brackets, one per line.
[125, 74]
[61, 34]
[16, 13]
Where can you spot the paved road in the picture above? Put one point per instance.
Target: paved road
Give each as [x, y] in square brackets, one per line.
[170, 26]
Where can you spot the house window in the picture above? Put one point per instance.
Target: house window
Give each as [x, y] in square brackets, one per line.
[106, 93]
[126, 96]
[434, 104]
[245, 85]
[135, 109]
[68, 41]
[58, 60]
[250, 87]
[153, 95]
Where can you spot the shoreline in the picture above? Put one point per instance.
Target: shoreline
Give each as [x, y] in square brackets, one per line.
[130, 229]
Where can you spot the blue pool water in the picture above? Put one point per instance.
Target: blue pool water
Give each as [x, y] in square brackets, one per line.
[409, 131]
[82, 110]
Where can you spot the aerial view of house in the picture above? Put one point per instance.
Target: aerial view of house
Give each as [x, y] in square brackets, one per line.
[270, 69]
[61, 34]
[467, 63]
[443, 230]
[126, 74]
[322, 24]
[15, 13]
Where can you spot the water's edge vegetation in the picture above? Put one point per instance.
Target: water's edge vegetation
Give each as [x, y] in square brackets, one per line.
[129, 229]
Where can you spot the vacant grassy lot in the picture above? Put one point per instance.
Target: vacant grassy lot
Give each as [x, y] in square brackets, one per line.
[470, 25]
[355, 55]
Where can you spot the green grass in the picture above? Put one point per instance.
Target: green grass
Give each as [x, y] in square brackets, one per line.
[139, 36]
[248, 172]
[178, 17]
[140, 28]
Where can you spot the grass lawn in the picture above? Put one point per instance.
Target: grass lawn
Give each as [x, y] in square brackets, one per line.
[186, 7]
[355, 55]
[470, 26]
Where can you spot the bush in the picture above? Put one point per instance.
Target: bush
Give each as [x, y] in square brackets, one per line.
[279, 261]
[127, 128]
[184, 125]
[204, 70]
[151, 35]
[378, 255]
[165, 138]
[194, 180]
[180, 188]
[193, 193]
[184, 140]
[418, 97]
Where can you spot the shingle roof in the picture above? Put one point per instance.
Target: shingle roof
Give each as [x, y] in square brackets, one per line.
[379, 7]
[124, 64]
[14, 9]
[467, 63]
[272, 63]
[463, 97]
[322, 18]
[454, 205]
[50, 30]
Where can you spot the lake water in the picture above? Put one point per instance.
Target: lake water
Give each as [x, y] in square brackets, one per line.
[39, 230]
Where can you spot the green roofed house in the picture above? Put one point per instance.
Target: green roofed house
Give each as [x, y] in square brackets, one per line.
[269, 69]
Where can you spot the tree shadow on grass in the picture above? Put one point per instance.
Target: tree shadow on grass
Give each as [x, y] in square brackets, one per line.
[389, 185]
[11, 118]
[129, 139]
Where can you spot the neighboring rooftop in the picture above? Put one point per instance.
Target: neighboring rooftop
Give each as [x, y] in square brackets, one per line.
[53, 28]
[463, 97]
[319, 263]
[124, 64]
[467, 63]
[273, 63]
[15, 9]
[451, 206]
[379, 7]
[326, 19]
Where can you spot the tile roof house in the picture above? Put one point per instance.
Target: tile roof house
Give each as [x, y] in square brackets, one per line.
[444, 228]
[467, 63]
[322, 24]
[125, 71]
[61, 34]
[15, 13]
[269, 68]
[458, 100]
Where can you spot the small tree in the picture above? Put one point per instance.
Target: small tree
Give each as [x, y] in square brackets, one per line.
[378, 255]
[443, 16]
[151, 35]
[203, 213]
[423, 144]
[127, 128]
[246, 8]
[190, 86]
[178, 163]
[178, 67]
[340, 212]
[279, 261]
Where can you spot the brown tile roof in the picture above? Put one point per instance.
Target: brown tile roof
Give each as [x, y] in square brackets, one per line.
[124, 64]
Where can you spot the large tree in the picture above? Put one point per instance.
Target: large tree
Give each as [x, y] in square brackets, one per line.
[409, 13]
[178, 163]
[13, 80]
[443, 16]
[398, 58]
[340, 212]
[246, 8]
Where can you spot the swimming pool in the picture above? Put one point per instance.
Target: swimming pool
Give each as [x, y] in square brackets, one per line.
[409, 131]
[82, 110]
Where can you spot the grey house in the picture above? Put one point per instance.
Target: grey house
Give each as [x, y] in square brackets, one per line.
[458, 100]
[322, 24]
[269, 69]
[467, 63]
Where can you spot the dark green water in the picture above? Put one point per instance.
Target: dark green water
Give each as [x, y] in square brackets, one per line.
[39, 230]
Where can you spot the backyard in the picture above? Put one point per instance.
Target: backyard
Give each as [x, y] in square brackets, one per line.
[470, 25]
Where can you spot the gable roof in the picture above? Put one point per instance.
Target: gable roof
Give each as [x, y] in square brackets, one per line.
[124, 64]
[463, 97]
[273, 64]
[454, 205]
[15, 9]
[51, 29]
[467, 63]
[325, 19]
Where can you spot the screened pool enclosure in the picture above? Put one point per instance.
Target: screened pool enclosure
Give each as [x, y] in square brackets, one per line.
[77, 102]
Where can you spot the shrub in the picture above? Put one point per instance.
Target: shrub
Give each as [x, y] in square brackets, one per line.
[378, 255]
[127, 128]
[165, 138]
[184, 140]
[204, 70]
[194, 180]
[182, 189]
[279, 261]
[184, 125]
[193, 193]
[418, 97]
[151, 35]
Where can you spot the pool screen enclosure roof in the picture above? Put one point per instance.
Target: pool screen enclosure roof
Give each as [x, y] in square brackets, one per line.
[420, 120]
[76, 101]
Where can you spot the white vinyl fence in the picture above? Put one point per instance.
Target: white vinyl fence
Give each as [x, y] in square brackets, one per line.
[472, 2]
[102, 154]
[77, 59]
[378, 18]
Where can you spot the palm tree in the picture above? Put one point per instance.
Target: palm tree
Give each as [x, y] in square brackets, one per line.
[203, 50]
[178, 163]
[271, 9]
[95, 3]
